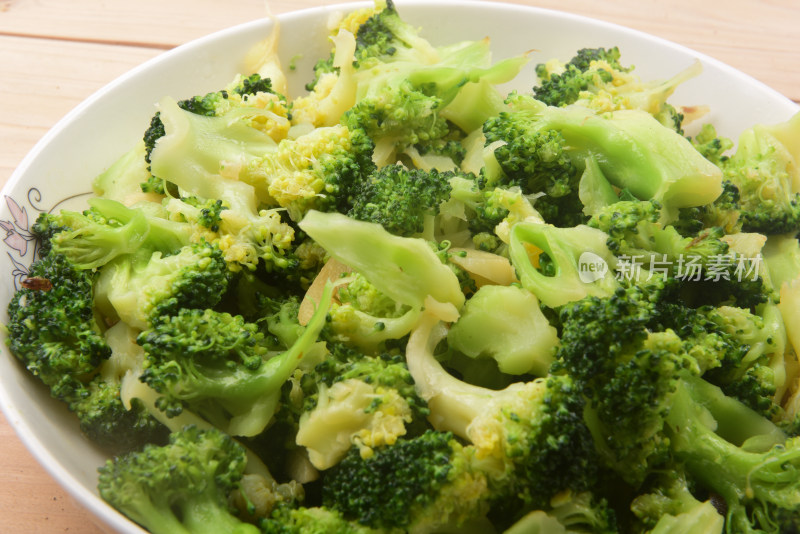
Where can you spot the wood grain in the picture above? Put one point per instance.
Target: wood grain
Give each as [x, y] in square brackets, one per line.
[53, 54]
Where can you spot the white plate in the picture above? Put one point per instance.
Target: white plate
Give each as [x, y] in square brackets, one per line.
[103, 127]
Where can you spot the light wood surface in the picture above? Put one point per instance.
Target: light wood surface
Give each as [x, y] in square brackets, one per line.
[53, 54]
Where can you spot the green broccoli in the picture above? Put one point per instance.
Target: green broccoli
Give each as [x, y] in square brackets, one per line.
[562, 85]
[646, 339]
[140, 292]
[220, 366]
[638, 238]
[513, 427]
[569, 513]
[633, 151]
[400, 199]
[366, 317]
[251, 91]
[54, 331]
[764, 170]
[313, 520]
[596, 79]
[426, 482]
[538, 162]
[109, 229]
[351, 399]
[668, 504]
[647, 404]
[182, 487]
[758, 483]
[405, 269]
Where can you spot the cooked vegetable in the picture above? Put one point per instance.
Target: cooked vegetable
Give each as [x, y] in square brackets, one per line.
[422, 305]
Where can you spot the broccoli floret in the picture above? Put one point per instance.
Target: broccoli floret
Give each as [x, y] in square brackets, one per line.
[109, 229]
[569, 513]
[401, 199]
[351, 399]
[722, 213]
[315, 520]
[713, 147]
[758, 484]
[668, 504]
[634, 230]
[239, 93]
[385, 36]
[647, 404]
[596, 79]
[711, 271]
[179, 488]
[220, 366]
[487, 213]
[633, 151]
[764, 171]
[515, 426]
[536, 161]
[319, 170]
[140, 292]
[52, 326]
[54, 331]
[426, 481]
[366, 317]
[563, 84]
[398, 119]
[107, 422]
[393, 66]
[210, 215]
[253, 92]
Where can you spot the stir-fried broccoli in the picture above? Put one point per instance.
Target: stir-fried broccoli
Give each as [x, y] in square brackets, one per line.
[55, 331]
[596, 79]
[181, 487]
[428, 305]
[220, 366]
[426, 482]
[512, 428]
[400, 199]
[354, 400]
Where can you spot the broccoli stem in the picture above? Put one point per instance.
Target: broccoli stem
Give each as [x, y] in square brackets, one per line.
[759, 469]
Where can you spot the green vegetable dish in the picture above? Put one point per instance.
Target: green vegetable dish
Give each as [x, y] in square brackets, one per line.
[407, 301]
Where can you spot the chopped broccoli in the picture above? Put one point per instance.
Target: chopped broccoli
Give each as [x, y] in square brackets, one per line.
[569, 513]
[54, 330]
[400, 199]
[366, 317]
[355, 400]
[316, 520]
[405, 269]
[764, 170]
[140, 292]
[182, 487]
[632, 149]
[596, 79]
[424, 482]
[505, 323]
[253, 92]
[219, 365]
[552, 262]
[514, 426]
[563, 84]
[538, 162]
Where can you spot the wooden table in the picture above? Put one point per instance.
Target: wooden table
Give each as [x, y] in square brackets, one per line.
[54, 54]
